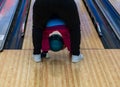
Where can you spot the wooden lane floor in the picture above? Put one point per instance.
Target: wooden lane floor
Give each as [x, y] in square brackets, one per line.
[99, 68]
[116, 4]
[90, 38]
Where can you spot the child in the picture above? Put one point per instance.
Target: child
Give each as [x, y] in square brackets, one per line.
[55, 36]
[43, 11]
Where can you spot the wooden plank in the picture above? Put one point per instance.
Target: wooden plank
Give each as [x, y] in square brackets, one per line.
[15, 68]
[90, 38]
[99, 68]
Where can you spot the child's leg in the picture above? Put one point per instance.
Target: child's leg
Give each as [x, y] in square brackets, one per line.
[40, 18]
[69, 14]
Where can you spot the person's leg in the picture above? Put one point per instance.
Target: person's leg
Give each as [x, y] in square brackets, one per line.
[37, 38]
[40, 18]
[37, 31]
[69, 14]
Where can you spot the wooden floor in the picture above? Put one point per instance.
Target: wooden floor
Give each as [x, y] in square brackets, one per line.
[99, 68]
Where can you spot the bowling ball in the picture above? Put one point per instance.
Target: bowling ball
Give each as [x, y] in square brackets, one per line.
[56, 42]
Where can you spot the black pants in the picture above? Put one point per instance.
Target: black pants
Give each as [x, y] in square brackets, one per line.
[44, 10]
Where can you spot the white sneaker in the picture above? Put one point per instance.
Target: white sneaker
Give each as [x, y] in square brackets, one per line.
[77, 58]
[36, 57]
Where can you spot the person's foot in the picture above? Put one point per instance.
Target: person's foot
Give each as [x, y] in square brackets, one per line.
[45, 55]
[76, 58]
[37, 58]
